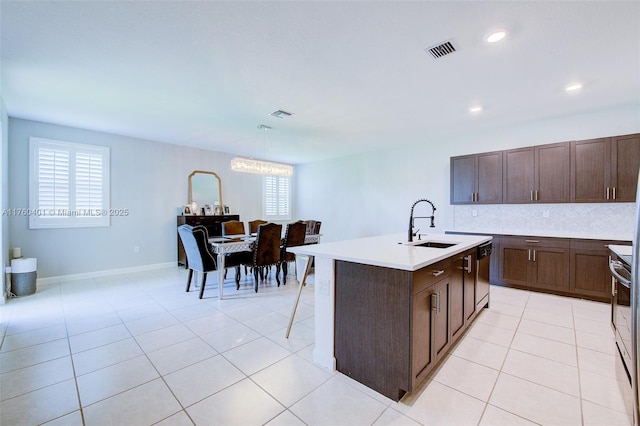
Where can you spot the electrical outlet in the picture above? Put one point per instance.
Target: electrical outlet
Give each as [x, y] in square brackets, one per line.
[323, 286]
[136, 249]
[474, 212]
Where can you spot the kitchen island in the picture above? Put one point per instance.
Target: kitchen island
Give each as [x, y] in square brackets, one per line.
[387, 311]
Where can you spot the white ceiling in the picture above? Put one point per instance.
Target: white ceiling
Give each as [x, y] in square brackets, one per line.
[355, 74]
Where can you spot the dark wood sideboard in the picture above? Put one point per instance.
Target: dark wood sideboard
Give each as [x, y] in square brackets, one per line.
[212, 223]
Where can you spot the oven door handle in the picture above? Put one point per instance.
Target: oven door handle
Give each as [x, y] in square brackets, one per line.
[614, 266]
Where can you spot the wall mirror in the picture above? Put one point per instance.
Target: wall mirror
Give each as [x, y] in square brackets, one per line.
[205, 188]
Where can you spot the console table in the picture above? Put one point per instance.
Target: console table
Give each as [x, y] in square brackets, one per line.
[212, 223]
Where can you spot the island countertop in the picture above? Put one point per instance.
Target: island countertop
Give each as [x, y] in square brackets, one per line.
[393, 251]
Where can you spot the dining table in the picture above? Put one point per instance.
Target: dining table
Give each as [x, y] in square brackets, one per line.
[237, 243]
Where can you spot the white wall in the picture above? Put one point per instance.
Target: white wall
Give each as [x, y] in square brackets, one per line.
[148, 178]
[4, 195]
[372, 193]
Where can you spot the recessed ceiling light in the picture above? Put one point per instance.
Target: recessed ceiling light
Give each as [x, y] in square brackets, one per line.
[496, 36]
[475, 108]
[573, 87]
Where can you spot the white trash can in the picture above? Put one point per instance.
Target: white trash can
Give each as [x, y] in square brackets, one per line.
[23, 276]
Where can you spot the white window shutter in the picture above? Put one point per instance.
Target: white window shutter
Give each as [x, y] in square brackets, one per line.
[68, 184]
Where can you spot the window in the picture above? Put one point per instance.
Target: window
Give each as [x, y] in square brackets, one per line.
[68, 184]
[277, 197]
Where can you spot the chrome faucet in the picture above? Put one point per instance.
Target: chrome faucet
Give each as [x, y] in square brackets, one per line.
[432, 217]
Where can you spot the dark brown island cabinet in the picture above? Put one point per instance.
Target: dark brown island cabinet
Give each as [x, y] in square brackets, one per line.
[212, 223]
[393, 326]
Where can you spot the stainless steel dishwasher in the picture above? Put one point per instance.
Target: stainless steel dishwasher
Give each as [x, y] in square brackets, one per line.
[483, 260]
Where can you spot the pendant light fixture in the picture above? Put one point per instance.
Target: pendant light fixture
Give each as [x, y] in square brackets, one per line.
[261, 167]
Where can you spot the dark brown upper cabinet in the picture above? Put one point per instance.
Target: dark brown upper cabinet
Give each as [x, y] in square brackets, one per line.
[537, 174]
[477, 178]
[605, 169]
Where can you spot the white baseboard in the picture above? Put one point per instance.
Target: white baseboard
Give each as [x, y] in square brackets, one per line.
[109, 272]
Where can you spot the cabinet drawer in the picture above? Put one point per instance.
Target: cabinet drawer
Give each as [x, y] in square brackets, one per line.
[428, 275]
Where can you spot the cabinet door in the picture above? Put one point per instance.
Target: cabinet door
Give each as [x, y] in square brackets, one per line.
[625, 156]
[590, 170]
[470, 291]
[441, 328]
[517, 185]
[489, 176]
[552, 177]
[515, 261]
[422, 356]
[463, 179]
[589, 272]
[550, 267]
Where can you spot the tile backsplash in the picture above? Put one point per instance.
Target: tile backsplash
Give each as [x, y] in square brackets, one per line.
[580, 220]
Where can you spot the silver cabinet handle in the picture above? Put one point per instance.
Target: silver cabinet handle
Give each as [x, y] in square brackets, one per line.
[467, 267]
[534, 255]
[529, 254]
[614, 192]
[435, 302]
[531, 195]
[531, 241]
[536, 195]
[607, 192]
[438, 273]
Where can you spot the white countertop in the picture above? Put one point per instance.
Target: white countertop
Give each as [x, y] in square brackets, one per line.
[621, 250]
[393, 251]
[586, 235]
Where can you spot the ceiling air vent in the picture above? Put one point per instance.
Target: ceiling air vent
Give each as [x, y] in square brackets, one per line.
[441, 49]
[281, 114]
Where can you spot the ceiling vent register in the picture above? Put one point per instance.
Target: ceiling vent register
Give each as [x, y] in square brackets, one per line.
[281, 114]
[440, 50]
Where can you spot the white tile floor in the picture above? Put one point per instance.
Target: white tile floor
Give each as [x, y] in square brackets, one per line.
[138, 350]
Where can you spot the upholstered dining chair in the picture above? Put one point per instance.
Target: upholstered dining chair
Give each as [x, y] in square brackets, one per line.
[229, 229]
[232, 227]
[266, 252]
[253, 225]
[200, 257]
[294, 236]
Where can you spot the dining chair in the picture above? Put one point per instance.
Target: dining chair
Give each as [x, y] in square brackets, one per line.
[232, 227]
[229, 229]
[253, 225]
[266, 252]
[294, 236]
[200, 256]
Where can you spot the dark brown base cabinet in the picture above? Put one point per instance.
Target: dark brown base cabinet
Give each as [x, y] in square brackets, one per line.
[393, 326]
[535, 263]
[212, 223]
[569, 267]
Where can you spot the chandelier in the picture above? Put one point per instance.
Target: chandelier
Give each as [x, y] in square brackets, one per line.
[250, 165]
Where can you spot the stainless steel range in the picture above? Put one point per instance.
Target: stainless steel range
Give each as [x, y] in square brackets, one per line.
[621, 321]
